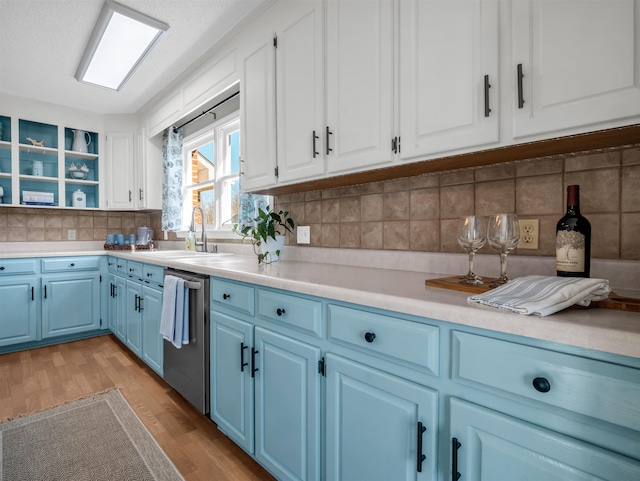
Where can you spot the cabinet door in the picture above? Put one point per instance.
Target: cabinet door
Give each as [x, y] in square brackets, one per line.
[359, 84]
[258, 118]
[134, 317]
[580, 63]
[446, 50]
[70, 303]
[372, 428]
[495, 446]
[111, 303]
[121, 170]
[120, 307]
[231, 379]
[300, 92]
[287, 406]
[18, 312]
[152, 343]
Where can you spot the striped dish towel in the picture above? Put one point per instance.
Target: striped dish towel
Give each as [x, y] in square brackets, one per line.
[543, 295]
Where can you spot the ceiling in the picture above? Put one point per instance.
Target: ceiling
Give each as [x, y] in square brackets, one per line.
[42, 41]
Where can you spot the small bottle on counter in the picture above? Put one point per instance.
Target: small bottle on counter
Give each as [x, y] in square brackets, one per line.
[190, 241]
[573, 239]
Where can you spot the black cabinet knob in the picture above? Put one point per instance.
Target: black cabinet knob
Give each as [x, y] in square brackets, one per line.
[226, 296]
[369, 336]
[541, 384]
[1, 268]
[72, 264]
[280, 311]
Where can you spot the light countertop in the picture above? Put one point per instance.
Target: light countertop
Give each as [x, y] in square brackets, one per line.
[403, 291]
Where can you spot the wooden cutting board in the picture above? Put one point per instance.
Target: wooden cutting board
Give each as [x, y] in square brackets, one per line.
[614, 301]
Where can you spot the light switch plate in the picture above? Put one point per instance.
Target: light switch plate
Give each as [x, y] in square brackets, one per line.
[304, 234]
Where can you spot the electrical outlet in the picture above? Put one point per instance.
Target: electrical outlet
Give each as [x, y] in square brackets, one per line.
[71, 234]
[529, 234]
[304, 234]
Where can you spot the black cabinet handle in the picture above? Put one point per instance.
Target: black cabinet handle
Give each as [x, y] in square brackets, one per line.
[315, 137]
[72, 264]
[520, 92]
[226, 296]
[140, 308]
[242, 363]
[455, 445]
[1, 268]
[541, 384]
[32, 294]
[254, 369]
[135, 303]
[421, 457]
[149, 274]
[327, 140]
[369, 336]
[45, 291]
[487, 86]
[280, 311]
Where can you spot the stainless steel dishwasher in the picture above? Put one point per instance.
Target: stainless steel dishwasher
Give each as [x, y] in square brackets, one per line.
[187, 369]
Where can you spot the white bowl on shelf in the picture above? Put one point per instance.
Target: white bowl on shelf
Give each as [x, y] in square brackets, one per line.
[78, 174]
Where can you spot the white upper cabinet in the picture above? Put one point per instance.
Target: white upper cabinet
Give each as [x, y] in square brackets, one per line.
[359, 64]
[258, 117]
[579, 63]
[121, 170]
[448, 75]
[300, 92]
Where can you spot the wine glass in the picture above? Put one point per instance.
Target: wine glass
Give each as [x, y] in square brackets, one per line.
[471, 237]
[503, 235]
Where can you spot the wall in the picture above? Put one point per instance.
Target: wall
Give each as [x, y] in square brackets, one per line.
[421, 213]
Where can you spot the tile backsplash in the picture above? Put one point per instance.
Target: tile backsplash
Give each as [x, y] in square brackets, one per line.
[421, 213]
[29, 224]
[416, 213]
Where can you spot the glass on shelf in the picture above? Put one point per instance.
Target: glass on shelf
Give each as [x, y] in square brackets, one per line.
[471, 237]
[503, 234]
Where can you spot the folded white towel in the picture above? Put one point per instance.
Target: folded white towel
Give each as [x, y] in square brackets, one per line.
[544, 295]
[176, 338]
[168, 313]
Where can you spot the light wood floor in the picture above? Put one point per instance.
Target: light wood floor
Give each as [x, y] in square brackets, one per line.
[41, 378]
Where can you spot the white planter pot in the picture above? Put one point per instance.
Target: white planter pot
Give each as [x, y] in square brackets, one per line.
[271, 248]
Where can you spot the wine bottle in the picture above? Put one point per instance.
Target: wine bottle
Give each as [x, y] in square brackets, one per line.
[573, 239]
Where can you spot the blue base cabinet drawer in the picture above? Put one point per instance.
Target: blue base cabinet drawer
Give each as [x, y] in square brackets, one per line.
[70, 264]
[595, 388]
[10, 267]
[385, 336]
[239, 297]
[300, 313]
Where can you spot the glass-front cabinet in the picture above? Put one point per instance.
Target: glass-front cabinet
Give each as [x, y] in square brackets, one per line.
[44, 164]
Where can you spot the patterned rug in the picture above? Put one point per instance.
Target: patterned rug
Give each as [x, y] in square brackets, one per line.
[98, 438]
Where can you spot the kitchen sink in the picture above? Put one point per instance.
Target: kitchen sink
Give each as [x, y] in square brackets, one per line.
[182, 254]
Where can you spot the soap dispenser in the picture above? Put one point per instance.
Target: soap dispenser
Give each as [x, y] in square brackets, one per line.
[190, 241]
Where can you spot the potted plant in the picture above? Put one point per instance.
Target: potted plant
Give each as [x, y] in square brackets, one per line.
[267, 233]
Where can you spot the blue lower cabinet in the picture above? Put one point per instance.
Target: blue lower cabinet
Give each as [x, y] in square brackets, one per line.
[70, 303]
[265, 395]
[488, 446]
[152, 344]
[378, 426]
[232, 399]
[18, 313]
[287, 397]
[133, 338]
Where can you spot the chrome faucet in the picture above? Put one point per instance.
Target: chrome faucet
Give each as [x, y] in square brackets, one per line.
[203, 242]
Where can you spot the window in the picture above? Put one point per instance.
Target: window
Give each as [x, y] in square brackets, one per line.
[212, 175]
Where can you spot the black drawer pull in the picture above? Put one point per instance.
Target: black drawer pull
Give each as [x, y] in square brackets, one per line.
[369, 336]
[280, 311]
[520, 76]
[226, 296]
[149, 274]
[242, 363]
[541, 384]
[254, 369]
[1, 268]
[455, 445]
[421, 457]
[72, 264]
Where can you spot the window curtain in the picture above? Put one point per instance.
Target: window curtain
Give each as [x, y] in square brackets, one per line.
[172, 172]
[248, 208]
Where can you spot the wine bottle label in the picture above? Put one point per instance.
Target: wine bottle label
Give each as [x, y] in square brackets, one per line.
[570, 251]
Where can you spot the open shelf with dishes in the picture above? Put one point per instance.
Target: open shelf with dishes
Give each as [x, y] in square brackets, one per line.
[46, 164]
